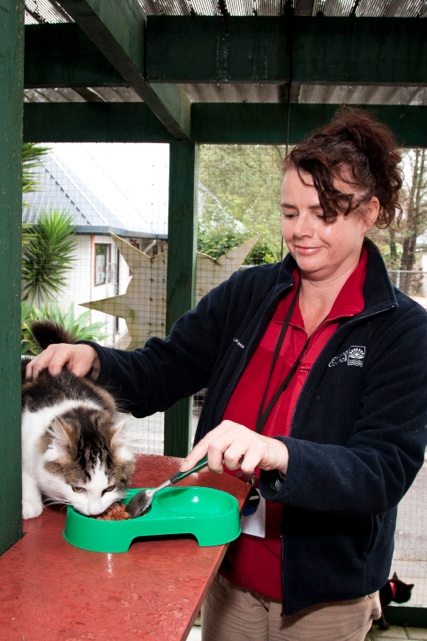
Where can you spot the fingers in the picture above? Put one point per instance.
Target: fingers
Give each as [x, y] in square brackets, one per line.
[78, 359]
[215, 445]
[197, 453]
[237, 447]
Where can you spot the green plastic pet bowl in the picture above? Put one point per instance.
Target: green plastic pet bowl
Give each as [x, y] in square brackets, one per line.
[212, 516]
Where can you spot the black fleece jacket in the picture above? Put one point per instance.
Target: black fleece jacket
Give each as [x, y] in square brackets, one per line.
[358, 433]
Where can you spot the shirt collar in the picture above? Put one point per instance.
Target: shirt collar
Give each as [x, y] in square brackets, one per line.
[350, 300]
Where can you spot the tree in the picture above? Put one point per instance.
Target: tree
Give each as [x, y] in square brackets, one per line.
[48, 245]
[416, 208]
[243, 183]
[31, 157]
[47, 256]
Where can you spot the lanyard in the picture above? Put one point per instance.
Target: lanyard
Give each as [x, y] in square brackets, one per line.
[264, 412]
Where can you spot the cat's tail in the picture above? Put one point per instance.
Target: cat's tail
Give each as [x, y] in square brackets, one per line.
[46, 333]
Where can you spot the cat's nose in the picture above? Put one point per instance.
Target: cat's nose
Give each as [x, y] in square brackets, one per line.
[95, 508]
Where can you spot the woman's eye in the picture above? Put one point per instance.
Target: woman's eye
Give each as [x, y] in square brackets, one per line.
[78, 489]
[110, 488]
[288, 216]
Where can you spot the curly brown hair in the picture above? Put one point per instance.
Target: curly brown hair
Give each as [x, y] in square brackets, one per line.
[359, 150]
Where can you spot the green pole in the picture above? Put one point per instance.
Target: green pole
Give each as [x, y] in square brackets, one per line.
[182, 241]
[11, 108]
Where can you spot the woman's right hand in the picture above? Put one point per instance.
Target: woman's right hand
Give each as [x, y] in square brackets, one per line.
[79, 359]
[238, 447]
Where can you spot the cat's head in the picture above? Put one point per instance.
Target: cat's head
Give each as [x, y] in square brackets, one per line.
[401, 591]
[87, 462]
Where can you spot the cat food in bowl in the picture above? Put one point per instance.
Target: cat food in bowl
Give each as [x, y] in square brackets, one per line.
[116, 512]
[210, 515]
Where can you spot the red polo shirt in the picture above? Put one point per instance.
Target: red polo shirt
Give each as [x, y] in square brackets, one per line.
[253, 562]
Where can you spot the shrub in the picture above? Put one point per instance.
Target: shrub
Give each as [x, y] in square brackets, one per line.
[78, 327]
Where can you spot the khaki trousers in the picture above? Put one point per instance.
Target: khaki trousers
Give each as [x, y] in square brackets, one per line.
[231, 613]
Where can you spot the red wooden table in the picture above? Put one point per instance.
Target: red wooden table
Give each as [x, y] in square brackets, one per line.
[53, 591]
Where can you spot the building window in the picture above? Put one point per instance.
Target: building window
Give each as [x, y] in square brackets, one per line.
[102, 260]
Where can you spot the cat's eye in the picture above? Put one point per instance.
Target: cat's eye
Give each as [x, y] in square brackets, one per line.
[110, 488]
[78, 489]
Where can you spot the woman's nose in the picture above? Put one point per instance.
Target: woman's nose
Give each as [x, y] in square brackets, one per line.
[303, 225]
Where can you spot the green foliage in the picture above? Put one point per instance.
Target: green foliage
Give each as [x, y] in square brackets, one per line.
[78, 327]
[31, 157]
[260, 254]
[219, 240]
[47, 256]
[240, 199]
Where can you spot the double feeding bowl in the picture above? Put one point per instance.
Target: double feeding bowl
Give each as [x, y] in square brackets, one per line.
[211, 516]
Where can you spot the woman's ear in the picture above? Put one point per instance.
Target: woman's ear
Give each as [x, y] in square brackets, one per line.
[371, 213]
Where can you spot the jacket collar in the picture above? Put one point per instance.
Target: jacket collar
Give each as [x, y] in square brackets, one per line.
[379, 292]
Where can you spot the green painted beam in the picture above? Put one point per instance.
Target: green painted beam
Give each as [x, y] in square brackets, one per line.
[117, 28]
[210, 49]
[92, 122]
[264, 48]
[182, 243]
[220, 123]
[11, 98]
[61, 55]
[267, 123]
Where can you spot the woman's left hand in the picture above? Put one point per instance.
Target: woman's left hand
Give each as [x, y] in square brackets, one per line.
[236, 446]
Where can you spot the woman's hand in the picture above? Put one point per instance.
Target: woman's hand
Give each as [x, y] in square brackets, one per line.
[78, 359]
[236, 446]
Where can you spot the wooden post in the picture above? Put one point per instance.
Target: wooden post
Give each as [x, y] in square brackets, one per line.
[182, 240]
[11, 108]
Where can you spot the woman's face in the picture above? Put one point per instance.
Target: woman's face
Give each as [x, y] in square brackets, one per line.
[322, 250]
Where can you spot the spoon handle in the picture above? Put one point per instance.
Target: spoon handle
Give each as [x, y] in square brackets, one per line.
[178, 476]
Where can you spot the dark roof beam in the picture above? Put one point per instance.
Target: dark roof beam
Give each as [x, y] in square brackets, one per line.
[118, 31]
[61, 55]
[269, 123]
[358, 51]
[213, 123]
[92, 122]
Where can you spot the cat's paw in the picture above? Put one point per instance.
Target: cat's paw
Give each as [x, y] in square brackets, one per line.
[31, 508]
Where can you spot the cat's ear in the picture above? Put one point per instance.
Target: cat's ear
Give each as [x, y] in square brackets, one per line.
[61, 432]
[395, 577]
[119, 435]
[121, 441]
[58, 440]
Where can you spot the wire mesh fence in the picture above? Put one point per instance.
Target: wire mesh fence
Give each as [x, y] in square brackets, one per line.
[412, 282]
[117, 196]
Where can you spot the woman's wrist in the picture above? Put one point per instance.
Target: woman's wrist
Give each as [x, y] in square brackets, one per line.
[282, 466]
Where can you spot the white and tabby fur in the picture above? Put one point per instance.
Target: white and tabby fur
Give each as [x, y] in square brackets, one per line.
[74, 448]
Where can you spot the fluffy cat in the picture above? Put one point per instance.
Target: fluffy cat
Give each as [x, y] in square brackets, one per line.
[394, 590]
[74, 450]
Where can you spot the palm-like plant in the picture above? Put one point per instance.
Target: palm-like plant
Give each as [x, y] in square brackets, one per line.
[79, 327]
[31, 157]
[47, 256]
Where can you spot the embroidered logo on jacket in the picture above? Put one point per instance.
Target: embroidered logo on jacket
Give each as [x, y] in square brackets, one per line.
[355, 355]
[238, 343]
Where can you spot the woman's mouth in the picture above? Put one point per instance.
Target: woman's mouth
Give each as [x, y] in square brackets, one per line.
[307, 251]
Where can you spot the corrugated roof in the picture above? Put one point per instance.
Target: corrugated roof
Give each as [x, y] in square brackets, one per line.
[51, 11]
[39, 11]
[60, 188]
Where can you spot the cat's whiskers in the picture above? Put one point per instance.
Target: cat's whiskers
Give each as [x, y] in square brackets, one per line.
[52, 500]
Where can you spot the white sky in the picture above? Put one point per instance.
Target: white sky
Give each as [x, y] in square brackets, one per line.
[130, 179]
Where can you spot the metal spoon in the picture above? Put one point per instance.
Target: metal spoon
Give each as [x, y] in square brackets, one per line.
[141, 501]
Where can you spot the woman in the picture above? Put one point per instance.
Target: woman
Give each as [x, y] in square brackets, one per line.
[315, 374]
